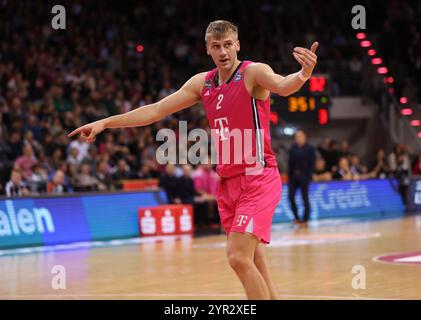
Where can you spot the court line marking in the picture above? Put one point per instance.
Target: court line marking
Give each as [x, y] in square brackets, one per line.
[93, 244]
[377, 259]
[178, 295]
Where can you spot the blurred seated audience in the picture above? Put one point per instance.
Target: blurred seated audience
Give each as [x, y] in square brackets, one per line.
[380, 167]
[121, 172]
[58, 183]
[320, 172]
[15, 187]
[187, 191]
[344, 171]
[85, 181]
[39, 179]
[104, 177]
[169, 182]
[25, 162]
[205, 182]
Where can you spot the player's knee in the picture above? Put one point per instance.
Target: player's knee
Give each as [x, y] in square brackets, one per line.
[238, 261]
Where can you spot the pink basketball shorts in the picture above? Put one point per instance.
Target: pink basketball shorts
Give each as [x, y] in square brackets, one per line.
[246, 203]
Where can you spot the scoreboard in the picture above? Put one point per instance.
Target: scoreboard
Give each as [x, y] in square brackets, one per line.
[311, 103]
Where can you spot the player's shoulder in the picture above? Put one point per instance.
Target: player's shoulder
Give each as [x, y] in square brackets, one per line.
[255, 67]
[197, 81]
[199, 77]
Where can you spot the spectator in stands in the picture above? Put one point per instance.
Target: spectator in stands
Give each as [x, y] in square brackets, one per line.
[321, 173]
[381, 168]
[29, 139]
[73, 157]
[73, 172]
[344, 171]
[332, 156]
[92, 157]
[148, 170]
[323, 148]
[187, 190]
[58, 184]
[15, 187]
[205, 182]
[301, 164]
[416, 167]
[399, 152]
[38, 180]
[15, 145]
[103, 175]
[402, 174]
[166, 90]
[344, 150]
[25, 162]
[85, 181]
[169, 182]
[57, 158]
[356, 168]
[82, 148]
[122, 172]
[5, 164]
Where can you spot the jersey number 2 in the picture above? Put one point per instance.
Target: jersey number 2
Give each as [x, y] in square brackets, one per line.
[220, 98]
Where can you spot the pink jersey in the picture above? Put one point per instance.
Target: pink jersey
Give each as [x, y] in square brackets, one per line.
[231, 111]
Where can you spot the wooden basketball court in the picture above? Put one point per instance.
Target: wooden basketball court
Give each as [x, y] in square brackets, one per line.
[312, 263]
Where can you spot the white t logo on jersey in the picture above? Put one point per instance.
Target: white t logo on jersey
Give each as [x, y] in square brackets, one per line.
[220, 123]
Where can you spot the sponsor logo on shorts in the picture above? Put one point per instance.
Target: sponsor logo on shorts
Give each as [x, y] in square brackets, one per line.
[241, 220]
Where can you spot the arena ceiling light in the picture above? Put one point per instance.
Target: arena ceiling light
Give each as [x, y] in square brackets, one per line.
[407, 112]
[376, 61]
[361, 36]
[365, 44]
[382, 70]
[372, 52]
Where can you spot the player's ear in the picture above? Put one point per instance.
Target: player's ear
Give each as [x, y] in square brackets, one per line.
[238, 45]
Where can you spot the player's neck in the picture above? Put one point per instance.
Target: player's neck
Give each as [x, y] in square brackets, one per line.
[224, 75]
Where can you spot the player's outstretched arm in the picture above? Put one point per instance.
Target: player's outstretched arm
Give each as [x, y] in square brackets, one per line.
[188, 95]
[284, 86]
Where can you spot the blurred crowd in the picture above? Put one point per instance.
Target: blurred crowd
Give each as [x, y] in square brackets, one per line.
[113, 58]
[338, 162]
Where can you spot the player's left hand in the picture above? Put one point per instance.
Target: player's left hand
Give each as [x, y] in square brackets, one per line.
[307, 58]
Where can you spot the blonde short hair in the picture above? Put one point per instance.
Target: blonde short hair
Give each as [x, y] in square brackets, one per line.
[219, 28]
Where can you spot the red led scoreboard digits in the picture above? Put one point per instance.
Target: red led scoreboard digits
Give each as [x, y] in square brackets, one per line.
[310, 103]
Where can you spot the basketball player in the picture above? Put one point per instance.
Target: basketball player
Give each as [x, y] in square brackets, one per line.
[236, 96]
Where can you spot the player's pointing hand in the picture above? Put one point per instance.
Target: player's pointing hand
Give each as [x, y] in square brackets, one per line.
[89, 131]
[307, 58]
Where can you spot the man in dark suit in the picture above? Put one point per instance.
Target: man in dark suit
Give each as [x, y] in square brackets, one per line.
[301, 163]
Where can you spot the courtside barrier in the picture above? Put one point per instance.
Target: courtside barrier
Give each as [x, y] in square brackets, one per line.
[365, 198]
[73, 218]
[42, 221]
